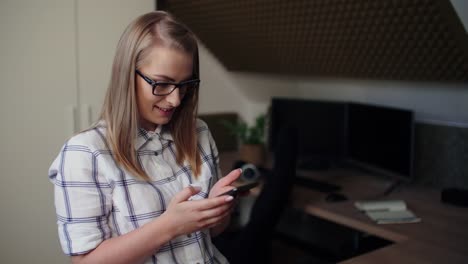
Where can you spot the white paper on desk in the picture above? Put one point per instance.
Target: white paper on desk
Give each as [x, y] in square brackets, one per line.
[389, 205]
[393, 217]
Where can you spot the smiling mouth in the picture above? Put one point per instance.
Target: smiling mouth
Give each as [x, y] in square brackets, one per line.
[166, 110]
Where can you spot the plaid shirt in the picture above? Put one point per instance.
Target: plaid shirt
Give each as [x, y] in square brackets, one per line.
[95, 199]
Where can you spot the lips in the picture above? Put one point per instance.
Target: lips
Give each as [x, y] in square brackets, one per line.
[165, 111]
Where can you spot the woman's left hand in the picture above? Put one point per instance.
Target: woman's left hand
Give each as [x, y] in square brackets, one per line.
[224, 184]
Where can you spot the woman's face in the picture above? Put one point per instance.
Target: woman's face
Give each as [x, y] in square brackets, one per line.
[163, 64]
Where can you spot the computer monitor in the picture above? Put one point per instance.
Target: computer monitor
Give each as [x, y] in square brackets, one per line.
[320, 126]
[380, 139]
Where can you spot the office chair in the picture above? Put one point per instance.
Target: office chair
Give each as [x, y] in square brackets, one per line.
[252, 244]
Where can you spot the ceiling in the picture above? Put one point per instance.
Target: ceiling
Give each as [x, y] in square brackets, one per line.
[417, 40]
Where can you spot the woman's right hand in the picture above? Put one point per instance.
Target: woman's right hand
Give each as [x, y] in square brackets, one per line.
[186, 216]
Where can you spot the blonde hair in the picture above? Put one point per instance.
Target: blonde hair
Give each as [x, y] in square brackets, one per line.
[120, 111]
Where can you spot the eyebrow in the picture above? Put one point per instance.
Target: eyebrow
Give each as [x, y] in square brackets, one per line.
[157, 76]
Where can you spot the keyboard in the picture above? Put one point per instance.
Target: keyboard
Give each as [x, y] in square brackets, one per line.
[320, 186]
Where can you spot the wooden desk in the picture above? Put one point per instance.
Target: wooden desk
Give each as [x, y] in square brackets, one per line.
[441, 237]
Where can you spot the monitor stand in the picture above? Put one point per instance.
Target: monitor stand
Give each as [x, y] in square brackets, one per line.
[317, 185]
[312, 163]
[394, 185]
[315, 164]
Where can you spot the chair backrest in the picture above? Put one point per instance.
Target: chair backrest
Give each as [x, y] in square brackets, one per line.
[254, 241]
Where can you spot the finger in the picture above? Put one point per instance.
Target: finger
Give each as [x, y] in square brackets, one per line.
[214, 212]
[212, 222]
[225, 190]
[210, 203]
[185, 194]
[230, 178]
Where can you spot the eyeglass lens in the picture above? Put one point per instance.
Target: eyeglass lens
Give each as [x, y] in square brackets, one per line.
[162, 88]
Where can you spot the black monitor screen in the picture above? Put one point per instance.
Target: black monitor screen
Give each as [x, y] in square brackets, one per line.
[320, 126]
[381, 138]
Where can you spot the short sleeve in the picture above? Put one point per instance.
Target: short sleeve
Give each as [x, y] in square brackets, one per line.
[82, 199]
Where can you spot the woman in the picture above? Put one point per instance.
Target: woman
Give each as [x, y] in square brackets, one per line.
[142, 185]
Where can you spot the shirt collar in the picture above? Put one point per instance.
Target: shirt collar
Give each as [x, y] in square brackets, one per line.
[162, 133]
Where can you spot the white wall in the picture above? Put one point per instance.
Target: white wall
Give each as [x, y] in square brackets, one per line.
[432, 102]
[99, 27]
[38, 83]
[218, 91]
[244, 93]
[54, 55]
[461, 7]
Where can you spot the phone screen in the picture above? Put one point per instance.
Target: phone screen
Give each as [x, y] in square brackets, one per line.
[240, 189]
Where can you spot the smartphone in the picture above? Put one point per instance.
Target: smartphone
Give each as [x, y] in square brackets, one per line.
[240, 189]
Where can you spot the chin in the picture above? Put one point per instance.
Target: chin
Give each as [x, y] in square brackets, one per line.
[162, 121]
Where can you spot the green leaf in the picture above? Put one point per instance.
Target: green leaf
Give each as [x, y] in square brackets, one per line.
[246, 134]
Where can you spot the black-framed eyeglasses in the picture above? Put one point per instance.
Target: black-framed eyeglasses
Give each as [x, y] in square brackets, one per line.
[165, 88]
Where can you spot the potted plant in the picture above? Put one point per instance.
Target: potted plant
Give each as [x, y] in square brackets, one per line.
[251, 139]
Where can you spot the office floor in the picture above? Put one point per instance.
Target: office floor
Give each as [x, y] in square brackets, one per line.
[285, 253]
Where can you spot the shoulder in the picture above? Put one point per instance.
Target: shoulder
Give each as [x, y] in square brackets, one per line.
[92, 139]
[77, 154]
[205, 138]
[201, 126]
[203, 130]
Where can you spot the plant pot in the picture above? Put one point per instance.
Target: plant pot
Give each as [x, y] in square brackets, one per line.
[252, 153]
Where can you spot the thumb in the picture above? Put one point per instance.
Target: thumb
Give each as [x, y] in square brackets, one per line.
[185, 194]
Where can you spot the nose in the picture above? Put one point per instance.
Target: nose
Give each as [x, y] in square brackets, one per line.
[174, 98]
